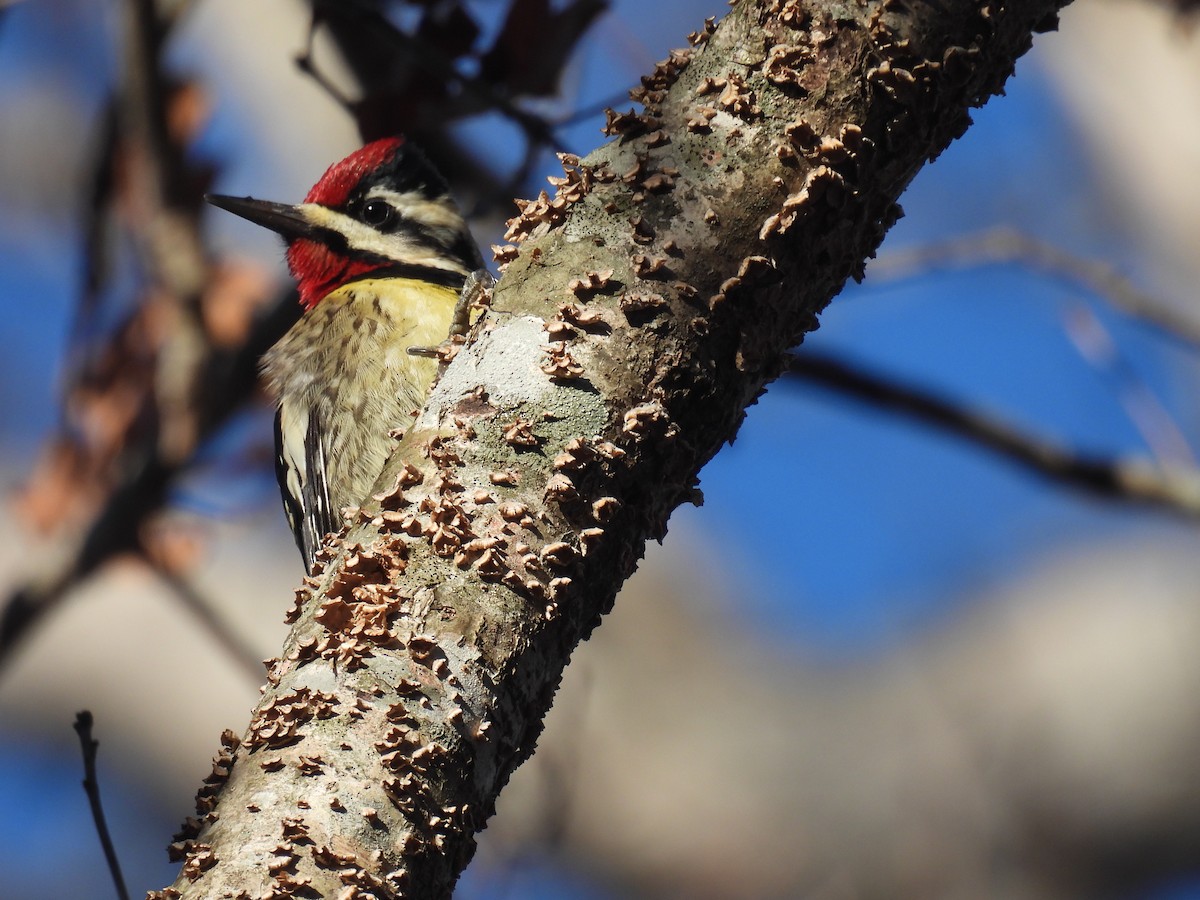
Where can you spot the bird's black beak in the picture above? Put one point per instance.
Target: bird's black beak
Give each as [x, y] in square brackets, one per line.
[288, 221]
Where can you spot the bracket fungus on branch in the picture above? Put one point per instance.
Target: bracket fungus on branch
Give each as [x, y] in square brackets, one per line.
[427, 645]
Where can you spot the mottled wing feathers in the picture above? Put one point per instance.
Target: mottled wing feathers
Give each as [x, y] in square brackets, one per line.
[301, 471]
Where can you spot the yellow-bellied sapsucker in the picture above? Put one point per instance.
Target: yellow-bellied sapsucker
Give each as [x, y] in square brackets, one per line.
[381, 254]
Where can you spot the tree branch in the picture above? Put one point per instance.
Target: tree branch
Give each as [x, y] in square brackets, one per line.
[649, 304]
[1174, 489]
[1004, 244]
[91, 786]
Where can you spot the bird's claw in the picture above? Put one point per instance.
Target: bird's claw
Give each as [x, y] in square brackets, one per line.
[476, 294]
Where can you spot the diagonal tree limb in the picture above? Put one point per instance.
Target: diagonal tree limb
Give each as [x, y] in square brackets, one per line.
[1130, 480]
[649, 304]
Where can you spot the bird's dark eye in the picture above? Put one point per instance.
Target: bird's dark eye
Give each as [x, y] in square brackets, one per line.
[377, 213]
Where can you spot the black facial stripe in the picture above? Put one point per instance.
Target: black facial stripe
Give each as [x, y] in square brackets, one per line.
[462, 251]
[457, 245]
[466, 251]
[409, 170]
[389, 267]
[415, 272]
[410, 228]
[361, 196]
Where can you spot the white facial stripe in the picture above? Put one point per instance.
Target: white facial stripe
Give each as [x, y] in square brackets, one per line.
[417, 208]
[398, 246]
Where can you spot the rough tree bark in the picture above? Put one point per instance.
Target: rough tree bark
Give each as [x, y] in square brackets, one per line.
[649, 304]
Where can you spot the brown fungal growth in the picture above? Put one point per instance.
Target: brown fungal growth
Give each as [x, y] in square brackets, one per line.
[519, 433]
[310, 765]
[514, 511]
[300, 598]
[574, 455]
[505, 478]
[628, 124]
[696, 38]
[653, 88]
[784, 64]
[327, 858]
[394, 746]
[448, 526]
[635, 172]
[559, 555]
[560, 364]
[295, 831]
[604, 509]
[659, 182]
[666, 71]
[590, 283]
[822, 186]
[277, 722]
[643, 232]
[560, 488]
[206, 797]
[831, 151]
[587, 319]
[640, 301]
[371, 814]
[535, 217]
[198, 859]
[503, 254]
[647, 418]
[588, 538]
[657, 138]
[738, 99]
[898, 83]
[801, 133]
[485, 555]
[651, 267]
[700, 121]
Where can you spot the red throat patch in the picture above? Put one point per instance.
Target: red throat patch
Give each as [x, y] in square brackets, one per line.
[318, 270]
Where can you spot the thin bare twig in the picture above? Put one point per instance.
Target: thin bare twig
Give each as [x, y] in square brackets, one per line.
[1149, 415]
[1007, 245]
[1175, 489]
[91, 785]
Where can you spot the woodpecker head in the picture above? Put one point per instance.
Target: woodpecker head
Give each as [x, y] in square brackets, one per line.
[382, 211]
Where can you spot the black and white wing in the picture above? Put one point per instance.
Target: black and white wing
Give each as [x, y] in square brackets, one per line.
[300, 470]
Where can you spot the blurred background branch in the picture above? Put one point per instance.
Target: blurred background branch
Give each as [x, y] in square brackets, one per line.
[1175, 488]
[157, 388]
